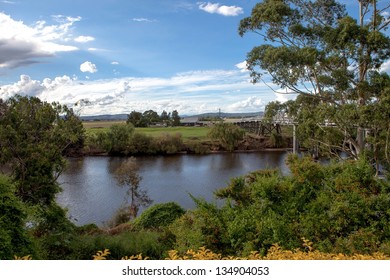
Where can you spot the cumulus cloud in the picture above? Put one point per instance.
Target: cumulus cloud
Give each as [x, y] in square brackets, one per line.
[88, 67]
[115, 63]
[252, 103]
[243, 66]
[25, 86]
[84, 39]
[189, 92]
[216, 8]
[21, 44]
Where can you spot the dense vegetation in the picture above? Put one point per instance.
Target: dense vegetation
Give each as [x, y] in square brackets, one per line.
[333, 62]
[341, 207]
[336, 208]
[318, 51]
[151, 117]
[124, 139]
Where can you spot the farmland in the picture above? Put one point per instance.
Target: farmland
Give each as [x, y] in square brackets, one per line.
[187, 133]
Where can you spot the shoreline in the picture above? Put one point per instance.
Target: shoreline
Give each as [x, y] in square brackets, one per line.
[105, 154]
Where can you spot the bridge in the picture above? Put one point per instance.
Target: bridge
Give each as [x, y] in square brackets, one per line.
[258, 126]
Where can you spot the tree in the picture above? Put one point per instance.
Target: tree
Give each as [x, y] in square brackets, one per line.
[14, 239]
[136, 119]
[175, 118]
[33, 138]
[227, 134]
[150, 117]
[119, 138]
[127, 175]
[165, 117]
[331, 60]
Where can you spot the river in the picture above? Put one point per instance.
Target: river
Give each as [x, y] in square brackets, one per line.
[91, 194]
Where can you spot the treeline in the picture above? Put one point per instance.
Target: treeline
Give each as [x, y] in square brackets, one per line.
[151, 117]
[122, 139]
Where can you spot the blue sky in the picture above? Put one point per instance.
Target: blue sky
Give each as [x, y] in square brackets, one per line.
[124, 55]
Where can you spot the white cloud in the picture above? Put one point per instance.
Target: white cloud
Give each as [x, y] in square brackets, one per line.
[25, 86]
[143, 20]
[385, 67]
[251, 104]
[88, 67]
[189, 93]
[84, 39]
[216, 8]
[21, 44]
[243, 66]
[115, 63]
[285, 96]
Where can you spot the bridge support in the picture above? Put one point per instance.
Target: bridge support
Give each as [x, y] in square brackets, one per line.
[295, 140]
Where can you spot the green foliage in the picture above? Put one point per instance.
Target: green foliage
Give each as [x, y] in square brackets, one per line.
[53, 232]
[168, 143]
[342, 207]
[142, 143]
[14, 239]
[276, 140]
[119, 138]
[33, 137]
[151, 117]
[147, 243]
[159, 216]
[342, 99]
[200, 227]
[175, 118]
[136, 119]
[228, 135]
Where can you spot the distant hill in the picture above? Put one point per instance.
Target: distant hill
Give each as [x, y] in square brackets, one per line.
[121, 117]
[116, 117]
[229, 115]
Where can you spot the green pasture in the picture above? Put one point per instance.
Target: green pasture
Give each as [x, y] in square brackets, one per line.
[187, 133]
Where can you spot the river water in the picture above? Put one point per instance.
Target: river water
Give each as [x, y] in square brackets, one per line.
[92, 195]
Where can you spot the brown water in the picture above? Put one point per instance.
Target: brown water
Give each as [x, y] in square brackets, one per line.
[91, 194]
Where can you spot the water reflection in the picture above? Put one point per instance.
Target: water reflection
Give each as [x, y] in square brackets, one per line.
[92, 195]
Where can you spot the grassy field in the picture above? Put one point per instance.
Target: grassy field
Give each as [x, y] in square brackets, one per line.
[187, 133]
[100, 124]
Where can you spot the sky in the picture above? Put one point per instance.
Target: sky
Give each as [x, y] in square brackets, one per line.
[116, 56]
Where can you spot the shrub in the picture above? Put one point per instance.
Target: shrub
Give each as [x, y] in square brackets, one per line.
[14, 239]
[126, 243]
[168, 143]
[227, 134]
[141, 144]
[342, 207]
[159, 215]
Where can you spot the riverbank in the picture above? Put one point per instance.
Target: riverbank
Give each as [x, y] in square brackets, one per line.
[118, 139]
[202, 146]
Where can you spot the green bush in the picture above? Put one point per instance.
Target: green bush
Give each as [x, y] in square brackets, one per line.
[14, 239]
[141, 144]
[127, 243]
[227, 134]
[342, 207]
[159, 215]
[168, 143]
